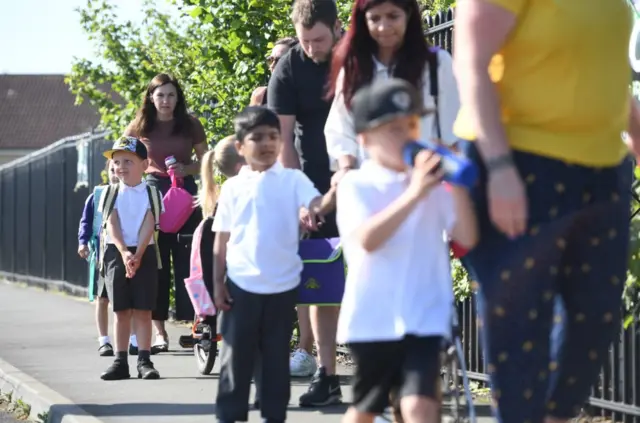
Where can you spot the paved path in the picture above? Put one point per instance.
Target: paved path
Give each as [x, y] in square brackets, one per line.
[51, 338]
[7, 418]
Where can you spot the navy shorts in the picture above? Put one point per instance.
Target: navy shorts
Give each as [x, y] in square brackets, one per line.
[573, 259]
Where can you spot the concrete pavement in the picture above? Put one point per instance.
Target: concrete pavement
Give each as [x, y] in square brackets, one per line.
[7, 418]
[48, 346]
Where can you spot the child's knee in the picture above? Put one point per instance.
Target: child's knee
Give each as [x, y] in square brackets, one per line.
[354, 416]
[142, 315]
[123, 315]
[419, 409]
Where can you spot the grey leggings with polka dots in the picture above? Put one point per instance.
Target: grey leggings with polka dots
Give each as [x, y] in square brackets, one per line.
[573, 255]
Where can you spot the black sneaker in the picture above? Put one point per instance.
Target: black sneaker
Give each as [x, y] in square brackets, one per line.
[324, 390]
[146, 370]
[119, 370]
[106, 350]
[133, 350]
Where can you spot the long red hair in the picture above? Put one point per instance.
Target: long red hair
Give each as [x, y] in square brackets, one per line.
[354, 53]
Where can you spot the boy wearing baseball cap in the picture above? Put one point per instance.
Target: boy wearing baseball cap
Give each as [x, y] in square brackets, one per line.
[130, 270]
[396, 308]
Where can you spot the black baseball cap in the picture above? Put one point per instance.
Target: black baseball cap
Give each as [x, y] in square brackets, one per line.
[383, 101]
[130, 144]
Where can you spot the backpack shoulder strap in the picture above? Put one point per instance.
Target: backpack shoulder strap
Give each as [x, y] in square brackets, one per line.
[155, 201]
[108, 202]
[106, 205]
[196, 242]
[433, 85]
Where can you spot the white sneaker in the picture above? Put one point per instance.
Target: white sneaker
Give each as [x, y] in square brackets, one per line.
[302, 364]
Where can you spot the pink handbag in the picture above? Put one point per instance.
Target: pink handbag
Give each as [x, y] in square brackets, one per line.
[178, 206]
[197, 290]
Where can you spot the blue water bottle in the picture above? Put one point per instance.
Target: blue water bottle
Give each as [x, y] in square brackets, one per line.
[457, 169]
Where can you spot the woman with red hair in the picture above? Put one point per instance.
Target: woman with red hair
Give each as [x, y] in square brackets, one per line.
[386, 39]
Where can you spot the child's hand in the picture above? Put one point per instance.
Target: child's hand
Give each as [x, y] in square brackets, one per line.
[83, 251]
[134, 265]
[221, 297]
[426, 173]
[128, 259]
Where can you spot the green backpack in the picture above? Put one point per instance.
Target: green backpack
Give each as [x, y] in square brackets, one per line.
[107, 203]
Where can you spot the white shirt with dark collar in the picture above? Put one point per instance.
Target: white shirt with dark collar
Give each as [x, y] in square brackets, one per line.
[404, 287]
[261, 210]
[132, 204]
[339, 130]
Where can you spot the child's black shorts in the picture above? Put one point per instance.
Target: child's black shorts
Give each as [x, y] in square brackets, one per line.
[407, 367]
[137, 293]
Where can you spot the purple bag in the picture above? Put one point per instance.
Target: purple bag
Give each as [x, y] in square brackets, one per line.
[323, 275]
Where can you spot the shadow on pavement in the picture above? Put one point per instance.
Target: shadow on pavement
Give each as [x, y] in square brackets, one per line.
[58, 412]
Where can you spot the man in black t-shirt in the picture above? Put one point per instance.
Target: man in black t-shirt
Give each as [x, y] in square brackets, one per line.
[296, 93]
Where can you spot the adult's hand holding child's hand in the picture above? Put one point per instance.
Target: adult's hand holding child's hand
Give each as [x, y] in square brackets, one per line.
[309, 219]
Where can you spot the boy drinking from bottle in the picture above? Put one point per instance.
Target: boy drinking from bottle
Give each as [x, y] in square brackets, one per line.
[398, 297]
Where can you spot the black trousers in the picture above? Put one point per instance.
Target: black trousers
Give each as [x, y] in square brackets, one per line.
[256, 323]
[176, 253]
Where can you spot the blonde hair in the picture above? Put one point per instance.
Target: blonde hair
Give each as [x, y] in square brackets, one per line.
[223, 161]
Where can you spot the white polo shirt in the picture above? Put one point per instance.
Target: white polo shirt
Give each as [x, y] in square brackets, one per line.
[132, 204]
[261, 212]
[404, 287]
[339, 130]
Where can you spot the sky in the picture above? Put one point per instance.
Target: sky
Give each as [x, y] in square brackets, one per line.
[43, 36]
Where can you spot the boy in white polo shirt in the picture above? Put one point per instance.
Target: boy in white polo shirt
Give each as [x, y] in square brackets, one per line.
[130, 269]
[398, 295]
[257, 267]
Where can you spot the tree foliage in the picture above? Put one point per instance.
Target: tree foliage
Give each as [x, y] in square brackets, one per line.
[216, 49]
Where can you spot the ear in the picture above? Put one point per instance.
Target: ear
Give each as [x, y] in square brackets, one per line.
[337, 29]
[238, 145]
[145, 164]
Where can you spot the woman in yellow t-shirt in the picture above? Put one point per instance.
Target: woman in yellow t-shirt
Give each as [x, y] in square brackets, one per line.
[544, 88]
